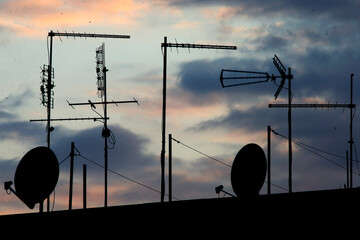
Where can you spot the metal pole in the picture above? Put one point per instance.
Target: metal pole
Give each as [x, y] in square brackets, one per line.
[170, 167]
[84, 186]
[162, 157]
[351, 131]
[269, 158]
[71, 174]
[347, 169]
[290, 137]
[106, 137]
[49, 87]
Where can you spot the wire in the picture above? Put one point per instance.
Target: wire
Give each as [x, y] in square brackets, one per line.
[307, 147]
[212, 158]
[64, 159]
[112, 139]
[291, 98]
[48, 51]
[121, 175]
[97, 114]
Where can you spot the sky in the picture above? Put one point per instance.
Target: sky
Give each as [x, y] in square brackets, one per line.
[319, 40]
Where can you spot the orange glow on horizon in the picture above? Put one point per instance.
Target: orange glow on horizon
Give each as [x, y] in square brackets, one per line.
[31, 18]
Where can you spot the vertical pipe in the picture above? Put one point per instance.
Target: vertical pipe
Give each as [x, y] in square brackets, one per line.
[84, 186]
[162, 157]
[170, 167]
[71, 174]
[48, 90]
[347, 169]
[351, 130]
[106, 138]
[48, 93]
[269, 159]
[290, 137]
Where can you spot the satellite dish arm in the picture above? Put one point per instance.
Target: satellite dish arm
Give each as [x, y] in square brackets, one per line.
[7, 186]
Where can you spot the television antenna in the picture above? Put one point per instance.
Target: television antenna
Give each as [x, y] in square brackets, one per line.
[47, 82]
[102, 93]
[250, 77]
[351, 106]
[177, 45]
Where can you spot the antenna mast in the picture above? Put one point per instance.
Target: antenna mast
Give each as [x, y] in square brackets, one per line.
[47, 83]
[261, 77]
[164, 46]
[330, 105]
[101, 82]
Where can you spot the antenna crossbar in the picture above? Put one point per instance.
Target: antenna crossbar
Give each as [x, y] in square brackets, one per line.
[87, 35]
[313, 105]
[202, 46]
[95, 103]
[69, 119]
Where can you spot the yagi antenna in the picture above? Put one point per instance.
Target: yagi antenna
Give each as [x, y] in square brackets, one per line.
[259, 77]
[235, 78]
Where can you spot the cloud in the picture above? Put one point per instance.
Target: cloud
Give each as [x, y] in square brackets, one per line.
[128, 152]
[184, 24]
[16, 99]
[271, 43]
[203, 76]
[32, 18]
[130, 158]
[340, 10]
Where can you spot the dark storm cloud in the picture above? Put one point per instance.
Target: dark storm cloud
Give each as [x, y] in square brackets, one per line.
[325, 72]
[201, 77]
[338, 9]
[271, 43]
[128, 153]
[318, 72]
[22, 130]
[253, 119]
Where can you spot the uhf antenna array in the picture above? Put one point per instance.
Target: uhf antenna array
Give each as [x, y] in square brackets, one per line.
[47, 83]
[251, 77]
[176, 45]
[100, 65]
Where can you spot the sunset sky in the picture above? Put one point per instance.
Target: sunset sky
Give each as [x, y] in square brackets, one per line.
[319, 40]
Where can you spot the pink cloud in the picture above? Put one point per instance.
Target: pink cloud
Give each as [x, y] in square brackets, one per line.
[34, 17]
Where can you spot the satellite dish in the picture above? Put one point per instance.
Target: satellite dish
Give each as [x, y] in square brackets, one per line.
[248, 170]
[36, 175]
